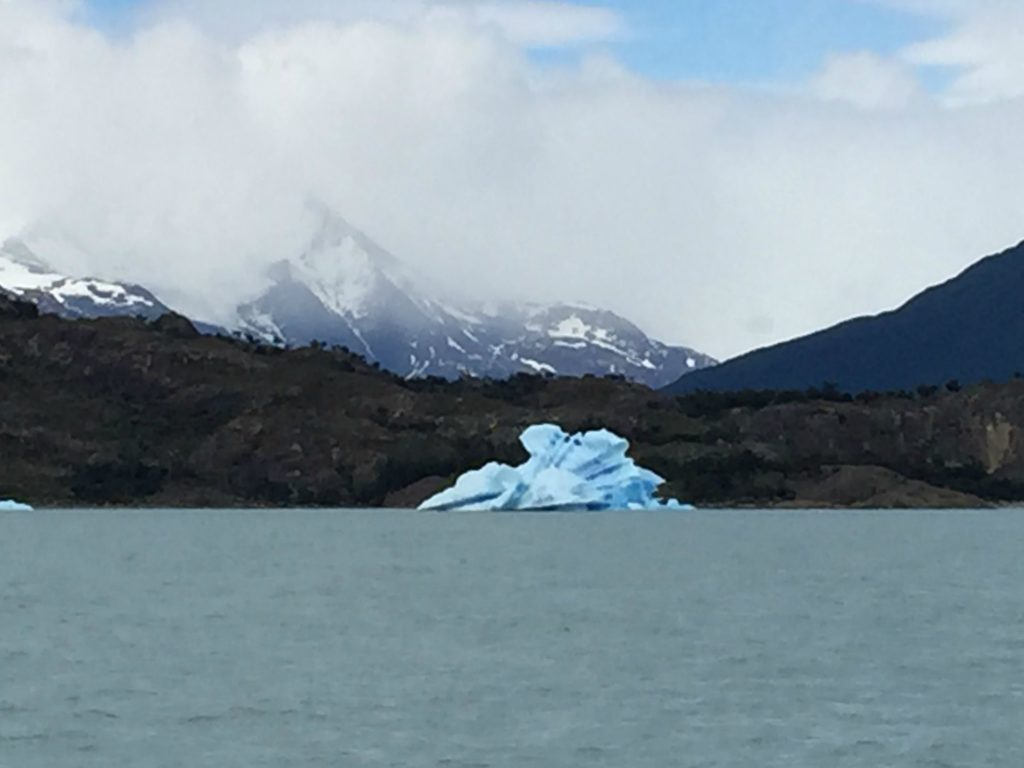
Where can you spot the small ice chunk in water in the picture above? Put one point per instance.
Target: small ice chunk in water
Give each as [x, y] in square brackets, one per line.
[585, 471]
[13, 506]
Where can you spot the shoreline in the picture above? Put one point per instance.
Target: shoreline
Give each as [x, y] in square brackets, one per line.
[1002, 506]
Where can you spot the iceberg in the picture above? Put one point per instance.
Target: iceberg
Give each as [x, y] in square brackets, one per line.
[14, 506]
[588, 471]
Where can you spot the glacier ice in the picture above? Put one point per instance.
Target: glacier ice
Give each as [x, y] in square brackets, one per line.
[13, 506]
[585, 471]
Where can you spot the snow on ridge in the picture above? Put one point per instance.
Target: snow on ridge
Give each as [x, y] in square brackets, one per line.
[347, 271]
[572, 327]
[537, 366]
[610, 347]
[341, 274]
[97, 291]
[19, 279]
[417, 369]
[356, 332]
[261, 324]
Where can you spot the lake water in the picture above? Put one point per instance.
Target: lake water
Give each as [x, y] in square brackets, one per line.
[746, 639]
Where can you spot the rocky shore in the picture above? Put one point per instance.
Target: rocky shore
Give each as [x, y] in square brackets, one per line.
[122, 411]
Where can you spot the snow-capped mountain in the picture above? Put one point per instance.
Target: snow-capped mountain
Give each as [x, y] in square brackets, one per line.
[575, 339]
[346, 290]
[24, 275]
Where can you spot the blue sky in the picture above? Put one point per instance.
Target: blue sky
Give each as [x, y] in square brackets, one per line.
[758, 40]
[722, 41]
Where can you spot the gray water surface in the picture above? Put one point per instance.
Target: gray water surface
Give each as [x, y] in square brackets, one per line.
[746, 639]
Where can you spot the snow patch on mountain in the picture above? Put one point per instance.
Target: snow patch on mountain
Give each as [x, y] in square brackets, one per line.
[26, 276]
[537, 366]
[571, 327]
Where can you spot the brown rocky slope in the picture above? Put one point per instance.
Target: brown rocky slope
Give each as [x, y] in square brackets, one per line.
[121, 411]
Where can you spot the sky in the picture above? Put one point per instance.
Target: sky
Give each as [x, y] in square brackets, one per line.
[720, 41]
[726, 174]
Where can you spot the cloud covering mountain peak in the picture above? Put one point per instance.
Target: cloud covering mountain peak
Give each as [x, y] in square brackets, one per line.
[182, 159]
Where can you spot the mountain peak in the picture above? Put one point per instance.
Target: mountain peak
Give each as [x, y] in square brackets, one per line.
[340, 271]
[345, 269]
[345, 289]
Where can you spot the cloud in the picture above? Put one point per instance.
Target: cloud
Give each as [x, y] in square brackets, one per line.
[868, 81]
[550, 24]
[982, 49]
[535, 23]
[182, 158]
[937, 8]
[986, 52]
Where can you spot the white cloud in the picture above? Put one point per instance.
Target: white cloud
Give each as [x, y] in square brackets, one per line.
[724, 218]
[940, 8]
[539, 23]
[986, 52]
[868, 81]
[982, 50]
[549, 23]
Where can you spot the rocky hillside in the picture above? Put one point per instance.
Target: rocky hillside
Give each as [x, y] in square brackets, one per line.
[128, 411]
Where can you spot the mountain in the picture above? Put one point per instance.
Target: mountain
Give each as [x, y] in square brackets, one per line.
[345, 290]
[25, 276]
[968, 329]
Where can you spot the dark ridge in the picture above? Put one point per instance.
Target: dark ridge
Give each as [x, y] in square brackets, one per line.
[969, 329]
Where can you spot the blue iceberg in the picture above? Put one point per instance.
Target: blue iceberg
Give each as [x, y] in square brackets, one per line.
[588, 471]
[14, 506]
